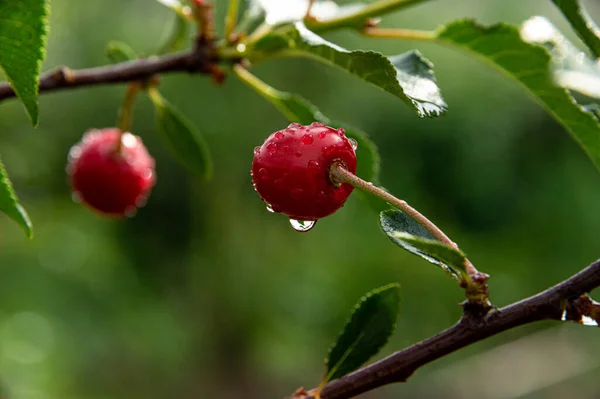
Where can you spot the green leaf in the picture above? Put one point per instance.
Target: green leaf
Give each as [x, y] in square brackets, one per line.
[120, 52]
[9, 204]
[405, 232]
[277, 11]
[183, 138]
[177, 37]
[369, 328]
[23, 31]
[502, 46]
[572, 68]
[407, 76]
[582, 23]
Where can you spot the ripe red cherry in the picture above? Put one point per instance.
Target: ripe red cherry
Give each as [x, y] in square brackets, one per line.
[290, 171]
[111, 180]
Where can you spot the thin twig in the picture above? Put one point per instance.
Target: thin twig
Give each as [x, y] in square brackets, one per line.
[197, 60]
[547, 305]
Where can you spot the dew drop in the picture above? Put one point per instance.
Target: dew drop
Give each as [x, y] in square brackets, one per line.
[322, 135]
[353, 143]
[286, 148]
[307, 139]
[341, 132]
[130, 212]
[74, 153]
[270, 208]
[128, 140]
[298, 154]
[148, 173]
[278, 183]
[296, 193]
[272, 148]
[588, 321]
[141, 201]
[256, 150]
[313, 166]
[302, 226]
[321, 196]
[76, 197]
[278, 135]
[294, 126]
[264, 174]
[317, 124]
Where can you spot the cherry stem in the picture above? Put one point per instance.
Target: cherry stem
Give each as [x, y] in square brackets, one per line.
[339, 174]
[231, 18]
[126, 112]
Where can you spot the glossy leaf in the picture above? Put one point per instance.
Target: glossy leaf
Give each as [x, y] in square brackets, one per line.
[182, 137]
[407, 76]
[573, 69]
[503, 47]
[582, 23]
[369, 328]
[405, 232]
[120, 52]
[277, 11]
[23, 32]
[9, 204]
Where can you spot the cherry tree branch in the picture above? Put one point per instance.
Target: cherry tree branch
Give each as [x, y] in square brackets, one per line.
[398, 367]
[201, 59]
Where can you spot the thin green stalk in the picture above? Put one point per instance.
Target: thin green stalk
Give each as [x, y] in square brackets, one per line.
[357, 19]
[231, 17]
[126, 111]
[393, 33]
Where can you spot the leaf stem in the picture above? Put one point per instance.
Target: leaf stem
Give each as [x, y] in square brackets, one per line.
[582, 24]
[357, 19]
[263, 30]
[392, 33]
[126, 111]
[261, 87]
[340, 174]
[231, 18]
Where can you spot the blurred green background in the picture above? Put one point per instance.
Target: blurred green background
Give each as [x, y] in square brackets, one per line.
[204, 294]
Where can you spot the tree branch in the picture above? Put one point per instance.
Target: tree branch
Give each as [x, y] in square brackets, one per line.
[201, 59]
[398, 367]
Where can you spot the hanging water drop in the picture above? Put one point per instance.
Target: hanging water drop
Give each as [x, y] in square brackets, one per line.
[130, 211]
[270, 208]
[353, 143]
[76, 197]
[302, 226]
[588, 321]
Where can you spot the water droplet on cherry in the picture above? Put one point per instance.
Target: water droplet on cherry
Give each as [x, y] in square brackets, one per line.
[302, 226]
